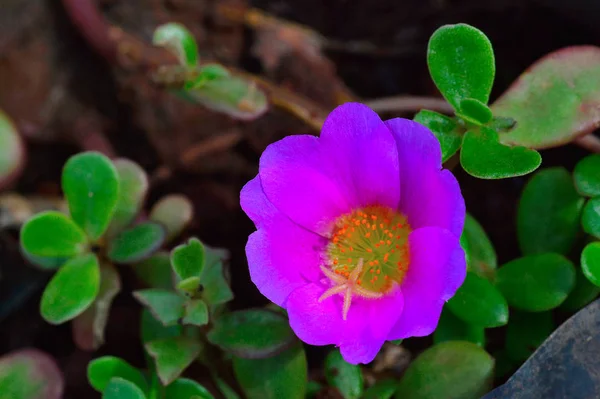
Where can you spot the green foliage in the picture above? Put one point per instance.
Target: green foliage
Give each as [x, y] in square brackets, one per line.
[118, 388]
[536, 283]
[136, 243]
[252, 334]
[188, 259]
[479, 303]
[479, 251]
[451, 328]
[382, 389]
[166, 306]
[216, 287]
[450, 370]
[155, 272]
[483, 156]
[179, 40]
[590, 262]
[172, 356]
[445, 129]
[525, 332]
[282, 376]
[346, 377]
[583, 293]
[195, 313]
[72, 289]
[102, 370]
[461, 63]
[91, 185]
[174, 212]
[475, 111]
[30, 374]
[590, 217]
[184, 388]
[548, 213]
[12, 152]
[52, 234]
[587, 176]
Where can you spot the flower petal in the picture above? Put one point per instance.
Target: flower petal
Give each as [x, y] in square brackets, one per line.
[430, 196]
[363, 152]
[298, 180]
[255, 204]
[314, 322]
[437, 268]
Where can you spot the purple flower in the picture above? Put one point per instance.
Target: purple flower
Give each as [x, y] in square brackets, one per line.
[358, 231]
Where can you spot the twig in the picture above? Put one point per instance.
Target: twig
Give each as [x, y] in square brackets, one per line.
[409, 104]
[590, 142]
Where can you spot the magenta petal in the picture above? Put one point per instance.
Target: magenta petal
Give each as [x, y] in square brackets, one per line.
[314, 322]
[363, 151]
[297, 179]
[363, 350]
[437, 268]
[256, 205]
[430, 196]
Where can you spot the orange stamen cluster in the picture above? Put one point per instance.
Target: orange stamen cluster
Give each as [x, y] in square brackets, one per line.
[369, 246]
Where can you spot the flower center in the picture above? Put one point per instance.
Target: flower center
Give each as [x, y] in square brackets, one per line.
[372, 242]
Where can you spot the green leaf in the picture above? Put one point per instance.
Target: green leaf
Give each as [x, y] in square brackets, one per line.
[30, 374]
[483, 156]
[196, 313]
[502, 124]
[590, 262]
[52, 234]
[216, 288]
[12, 151]
[451, 328]
[450, 370]
[382, 389]
[226, 390]
[173, 356]
[555, 100]
[590, 217]
[179, 40]
[119, 388]
[587, 176]
[445, 129]
[137, 243]
[152, 329]
[72, 290]
[481, 256]
[166, 306]
[548, 213]
[91, 186]
[525, 332]
[102, 370]
[133, 186]
[155, 272]
[475, 111]
[184, 388]
[88, 327]
[282, 376]
[190, 287]
[174, 212]
[461, 63]
[479, 303]
[536, 283]
[252, 334]
[188, 259]
[346, 377]
[583, 293]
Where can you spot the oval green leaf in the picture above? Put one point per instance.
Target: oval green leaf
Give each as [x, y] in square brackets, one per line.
[345, 377]
[179, 40]
[590, 262]
[445, 129]
[174, 212]
[583, 293]
[188, 259]
[536, 283]
[525, 332]
[474, 111]
[137, 243]
[461, 63]
[166, 306]
[72, 289]
[184, 388]
[119, 388]
[91, 186]
[12, 151]
[555, 100]
[548, 213]
[52, 234]
[451, 328]
[30, 374]
[479, 303]
[590, 217]
[102, 370]
[282, 376]
[155, 272]
[483, 156]
[196, 313]
[480, 253]
[172, 356]
[587, 176]
[252, 334]
[133, 186]
[450, 370]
